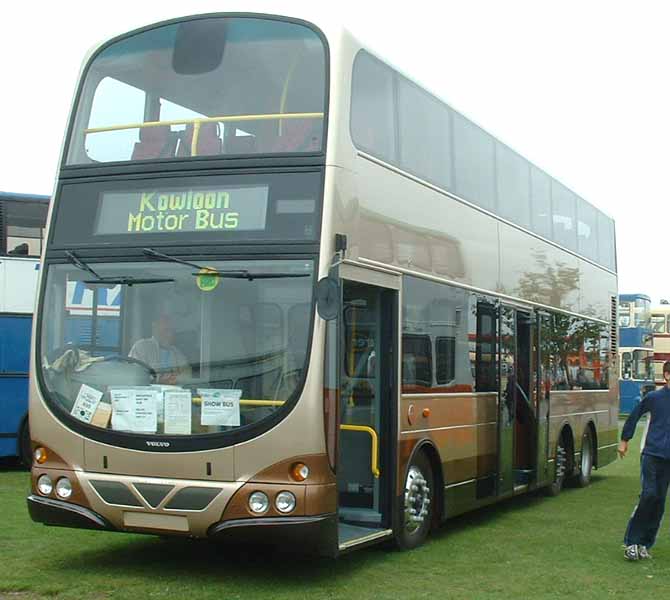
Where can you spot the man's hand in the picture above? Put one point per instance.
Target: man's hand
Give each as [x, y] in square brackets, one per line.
[623, 448]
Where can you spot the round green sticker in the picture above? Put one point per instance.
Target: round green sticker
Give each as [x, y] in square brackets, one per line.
[206, 281]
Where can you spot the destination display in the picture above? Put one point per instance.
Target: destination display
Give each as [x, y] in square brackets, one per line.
[242, 208]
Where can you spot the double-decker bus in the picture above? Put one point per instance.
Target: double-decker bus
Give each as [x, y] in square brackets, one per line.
[660, 326]
[636, 350]
[324, 309]
[22, 223]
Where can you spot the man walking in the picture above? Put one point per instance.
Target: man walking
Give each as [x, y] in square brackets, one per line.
[655, 467]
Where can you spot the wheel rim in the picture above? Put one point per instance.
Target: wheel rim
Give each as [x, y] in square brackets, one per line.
[417, 500]
[587, 456]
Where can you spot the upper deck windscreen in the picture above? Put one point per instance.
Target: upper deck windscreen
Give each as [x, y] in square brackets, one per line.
[203, 87]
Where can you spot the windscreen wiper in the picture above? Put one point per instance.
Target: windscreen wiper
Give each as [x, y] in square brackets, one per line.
[227, 274]
[80, 264]
[127, 280]
[110, 280]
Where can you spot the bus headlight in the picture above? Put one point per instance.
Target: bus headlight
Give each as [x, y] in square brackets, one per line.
[64, 488]
[45, 485]
[259, 502]
[285, 502]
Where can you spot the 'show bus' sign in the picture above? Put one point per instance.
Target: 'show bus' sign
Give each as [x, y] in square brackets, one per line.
[241, 208]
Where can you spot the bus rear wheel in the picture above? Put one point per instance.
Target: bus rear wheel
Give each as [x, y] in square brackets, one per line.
[586, 465]
[416, 509]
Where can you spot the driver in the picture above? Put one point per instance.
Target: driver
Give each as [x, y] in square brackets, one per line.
[160, 353]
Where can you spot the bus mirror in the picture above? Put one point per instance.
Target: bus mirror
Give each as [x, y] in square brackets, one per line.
[328, 298]
[198, 46]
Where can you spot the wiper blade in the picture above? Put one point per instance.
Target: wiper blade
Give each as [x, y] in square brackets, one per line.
[127, 280]
[151, 253]
[80, 264]
[249, 275]
[204, 271]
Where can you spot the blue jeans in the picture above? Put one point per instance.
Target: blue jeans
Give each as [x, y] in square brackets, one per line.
[646, 519]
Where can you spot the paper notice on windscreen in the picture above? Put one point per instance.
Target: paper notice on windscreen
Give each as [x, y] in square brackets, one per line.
[122, 409]
[86, 403]
[220, 407]
[135, 409]
[177, 412]
[146, 410]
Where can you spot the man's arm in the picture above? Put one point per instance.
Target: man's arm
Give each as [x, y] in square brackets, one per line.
[631, 423]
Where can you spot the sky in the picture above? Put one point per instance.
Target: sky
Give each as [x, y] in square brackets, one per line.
[580, 88]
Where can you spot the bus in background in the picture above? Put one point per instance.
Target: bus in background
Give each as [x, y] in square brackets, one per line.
[22, 224]
[290, 296]
[660, 326]
[636, 350]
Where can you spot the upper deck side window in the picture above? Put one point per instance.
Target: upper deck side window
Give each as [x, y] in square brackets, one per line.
[22, 225]
[398, 122]
[203, 87]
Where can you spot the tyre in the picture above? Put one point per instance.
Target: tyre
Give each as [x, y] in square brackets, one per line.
[25, 447]
[416, 510]
[586, 464]
[561, 464]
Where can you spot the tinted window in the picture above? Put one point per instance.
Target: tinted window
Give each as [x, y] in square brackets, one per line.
[474, 163]
[435, 319]
[484, 346]
[587, 231]
[540, 202]
[425, 134]
[564, 216]
[606, 252]
[372, 108]
[579, 353]
[513, 186]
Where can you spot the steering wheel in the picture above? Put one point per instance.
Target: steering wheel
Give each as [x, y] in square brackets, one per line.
[128, 359]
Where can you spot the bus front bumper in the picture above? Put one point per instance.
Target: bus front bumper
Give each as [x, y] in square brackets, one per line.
[63, 514]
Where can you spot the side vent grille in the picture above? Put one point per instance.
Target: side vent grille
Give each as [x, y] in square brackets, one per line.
[614, 331]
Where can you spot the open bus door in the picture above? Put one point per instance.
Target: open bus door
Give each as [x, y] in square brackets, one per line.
[367, 383]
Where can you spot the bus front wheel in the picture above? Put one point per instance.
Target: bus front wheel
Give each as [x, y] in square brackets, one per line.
[416, 509]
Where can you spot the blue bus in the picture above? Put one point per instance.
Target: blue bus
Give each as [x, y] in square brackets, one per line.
[22, 222]
[636, 350]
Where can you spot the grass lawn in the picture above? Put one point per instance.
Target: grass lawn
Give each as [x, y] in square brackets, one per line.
[527, 547]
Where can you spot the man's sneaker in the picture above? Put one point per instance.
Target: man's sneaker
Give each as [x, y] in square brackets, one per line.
[632, 552]
[643, 552]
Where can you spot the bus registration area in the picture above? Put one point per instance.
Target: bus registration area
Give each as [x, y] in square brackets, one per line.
[183, 210]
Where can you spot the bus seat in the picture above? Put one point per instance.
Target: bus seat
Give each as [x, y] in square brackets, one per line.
[155, 142]
[240, 144]
[298, 135]
[209, 141]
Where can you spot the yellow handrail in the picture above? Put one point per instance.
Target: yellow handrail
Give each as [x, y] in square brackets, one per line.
[374, 466]
[197, 122]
